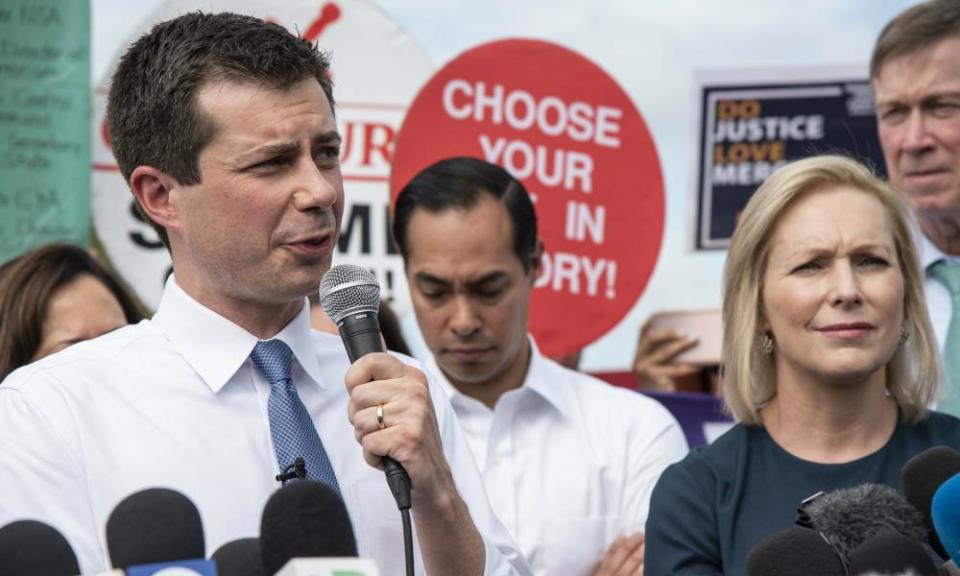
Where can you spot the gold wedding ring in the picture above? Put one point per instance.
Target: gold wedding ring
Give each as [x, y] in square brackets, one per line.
[380, 424]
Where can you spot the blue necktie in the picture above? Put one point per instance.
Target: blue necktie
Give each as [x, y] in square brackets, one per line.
[949, 274]
[294, 435]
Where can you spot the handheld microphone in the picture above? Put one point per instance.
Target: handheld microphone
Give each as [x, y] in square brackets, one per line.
[945, 511]
[850, 516]
[350, 296]
[922, 475]
[239, 558]
[32, 548]
[795, 551]
[152, 526]
[891, 554]
[301, 520]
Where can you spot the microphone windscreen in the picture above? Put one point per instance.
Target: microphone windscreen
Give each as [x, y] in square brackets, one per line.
[32, 548]
[921, 476]
[850, 516]
[304, 519]
[154, 525]
[945, 511]
[795, 551]
[239, 558]
[891, 553]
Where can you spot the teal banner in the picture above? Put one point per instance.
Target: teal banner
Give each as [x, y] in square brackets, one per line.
[45, 107]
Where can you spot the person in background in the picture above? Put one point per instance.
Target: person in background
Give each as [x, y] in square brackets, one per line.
[830, 363]
[915, 68]
[679, 351]
[568, 461]
[53, 297]
[654, 362]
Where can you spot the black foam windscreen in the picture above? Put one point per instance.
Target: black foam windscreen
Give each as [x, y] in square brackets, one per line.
[922, 475]
[304, 519]
[239, 558]
[850, 516]
[32, 548]
[795, 551]
[891, 553]
[154, 525]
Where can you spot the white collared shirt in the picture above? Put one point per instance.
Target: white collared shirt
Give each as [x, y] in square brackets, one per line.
[939, 301]
[175, 402]
[569, 462]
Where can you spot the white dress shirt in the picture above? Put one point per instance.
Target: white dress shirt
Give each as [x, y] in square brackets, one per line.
[939, 302]
[569, 462]
[176, 402]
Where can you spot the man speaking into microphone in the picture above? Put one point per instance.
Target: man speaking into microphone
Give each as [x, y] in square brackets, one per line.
[223, 126]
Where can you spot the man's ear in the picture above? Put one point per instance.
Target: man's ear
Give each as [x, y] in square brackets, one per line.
[153, 189]
[536, 262]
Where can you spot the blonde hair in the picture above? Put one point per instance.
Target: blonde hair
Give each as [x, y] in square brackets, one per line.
[749, 381]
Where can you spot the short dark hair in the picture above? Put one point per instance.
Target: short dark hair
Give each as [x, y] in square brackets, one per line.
[914, 29]
[28, 283]
[460, 183]
[152, 112]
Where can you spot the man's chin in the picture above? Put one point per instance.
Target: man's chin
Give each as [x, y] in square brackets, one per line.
[933, 204]
[468, 374]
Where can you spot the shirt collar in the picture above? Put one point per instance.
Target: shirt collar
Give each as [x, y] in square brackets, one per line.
[543, 378]
[929, 254]
[538, 381]
[216, 347]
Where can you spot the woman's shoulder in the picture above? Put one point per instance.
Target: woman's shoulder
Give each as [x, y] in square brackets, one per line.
[936, 428]
[715, 462]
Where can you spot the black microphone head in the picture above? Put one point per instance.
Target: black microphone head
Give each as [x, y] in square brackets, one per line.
[891, 553]
[154, 525]
[304, 519]
[922, 475]
[239, 558]
[32, 548]
[850, 516]
[346, 289]
[795, 551]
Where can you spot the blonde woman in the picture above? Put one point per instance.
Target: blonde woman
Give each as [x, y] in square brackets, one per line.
[830, 364]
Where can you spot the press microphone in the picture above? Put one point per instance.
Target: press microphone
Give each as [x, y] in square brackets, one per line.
[32, 548]
[154, 529]
[239, 558]
[350, 296]
[945, 511]
[891, 554]
[922, 475]
[302, 520]
[850, 516]
[795, 551]
[949, 568]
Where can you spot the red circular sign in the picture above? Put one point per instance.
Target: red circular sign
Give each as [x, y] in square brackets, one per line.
[566, 129]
